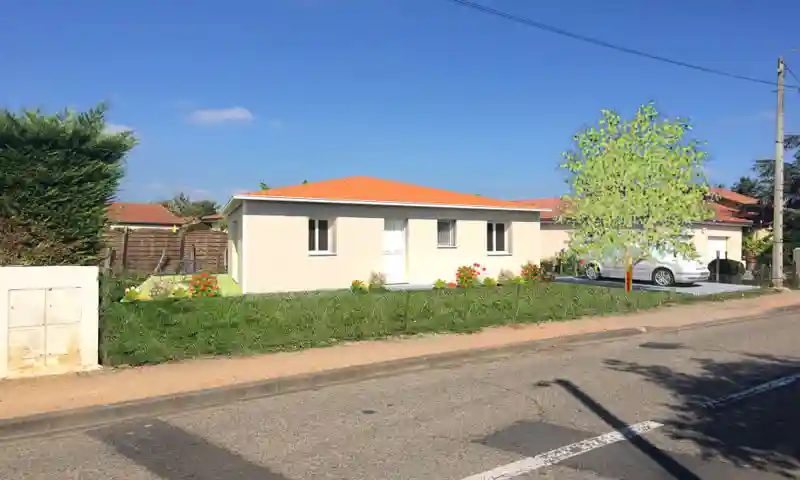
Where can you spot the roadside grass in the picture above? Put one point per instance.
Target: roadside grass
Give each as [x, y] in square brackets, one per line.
[160, 331]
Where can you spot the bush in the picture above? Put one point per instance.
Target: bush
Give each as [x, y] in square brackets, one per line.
[159, 331]
[57, 175]
[532, 273]
[726, 267]
[358, 286]
[201, 285]
[489, 282]
[469, 275]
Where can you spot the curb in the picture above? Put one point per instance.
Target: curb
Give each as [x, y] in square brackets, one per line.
[94, 416]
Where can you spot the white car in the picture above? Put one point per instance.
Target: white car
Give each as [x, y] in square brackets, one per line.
[662, 269]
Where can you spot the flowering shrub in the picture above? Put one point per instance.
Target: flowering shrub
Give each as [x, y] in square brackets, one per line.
[468, 275]
[358, 286]
[532, 272]
[440, 284]
[132, 294]
[204, 285]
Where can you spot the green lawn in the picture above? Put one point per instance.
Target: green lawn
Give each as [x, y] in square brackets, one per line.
[164, 330]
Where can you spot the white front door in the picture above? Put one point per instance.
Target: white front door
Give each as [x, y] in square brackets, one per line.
[716, 245]
[394, 250]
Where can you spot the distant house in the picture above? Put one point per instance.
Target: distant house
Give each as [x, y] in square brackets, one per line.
[142, 215]
[215, 222]
[721, 235]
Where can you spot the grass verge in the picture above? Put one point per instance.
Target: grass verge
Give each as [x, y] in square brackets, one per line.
[167, 330]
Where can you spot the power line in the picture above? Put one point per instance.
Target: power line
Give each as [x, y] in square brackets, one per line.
[792, 74]
[603, 43]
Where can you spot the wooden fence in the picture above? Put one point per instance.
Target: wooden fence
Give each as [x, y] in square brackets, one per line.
[151, 250]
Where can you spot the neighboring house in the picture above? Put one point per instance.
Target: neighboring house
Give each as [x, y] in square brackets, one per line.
[215, 222]
[141, 215]
[722, 234]
[324, 235]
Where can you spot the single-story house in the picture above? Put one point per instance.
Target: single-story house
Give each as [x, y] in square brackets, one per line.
[721, 235]
[141, 215]
[324, 235]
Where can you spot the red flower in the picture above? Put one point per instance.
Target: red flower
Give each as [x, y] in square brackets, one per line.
[580, 262]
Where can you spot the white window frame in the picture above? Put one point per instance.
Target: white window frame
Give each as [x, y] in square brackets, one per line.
[315, 250]
[493, 250]
[452, 226]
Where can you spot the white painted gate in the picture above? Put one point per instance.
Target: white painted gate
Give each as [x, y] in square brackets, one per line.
[394, 250]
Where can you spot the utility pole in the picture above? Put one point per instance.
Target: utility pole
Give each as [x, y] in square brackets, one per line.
[777, 219]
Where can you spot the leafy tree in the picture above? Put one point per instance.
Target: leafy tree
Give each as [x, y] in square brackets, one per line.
[184, 207]
[747, 186]
[58, 173]
[635, 186]
[263, 186]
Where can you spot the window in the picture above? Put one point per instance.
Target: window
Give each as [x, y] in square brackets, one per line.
[319, 237]
[446, 233]
[496, 237]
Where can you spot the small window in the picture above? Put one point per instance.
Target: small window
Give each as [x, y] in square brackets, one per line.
[496, 237]
[446, 233]
[319, 236]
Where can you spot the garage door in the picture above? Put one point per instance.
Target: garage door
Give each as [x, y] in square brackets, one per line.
[717, 245]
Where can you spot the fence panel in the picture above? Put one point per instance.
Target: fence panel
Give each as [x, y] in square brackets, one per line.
[148, 250]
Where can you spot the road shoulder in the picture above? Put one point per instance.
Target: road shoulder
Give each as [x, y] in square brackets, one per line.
[32, 406]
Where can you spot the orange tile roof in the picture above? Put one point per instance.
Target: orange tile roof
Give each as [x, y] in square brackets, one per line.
[721, 212]
[370, 189]
[734, 197]
[142, 213]
[553, 204]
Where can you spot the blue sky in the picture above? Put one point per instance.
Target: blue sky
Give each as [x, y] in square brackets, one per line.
[224, 95]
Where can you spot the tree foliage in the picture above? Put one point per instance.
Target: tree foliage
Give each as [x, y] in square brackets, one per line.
[184, 207]
[58, 174]
[636, 186]
[761, 186]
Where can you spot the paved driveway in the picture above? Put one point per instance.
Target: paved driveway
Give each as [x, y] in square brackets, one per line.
[699, 288]
[700, 398]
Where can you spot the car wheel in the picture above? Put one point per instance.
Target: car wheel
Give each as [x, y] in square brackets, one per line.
[592, 272]
[663, 277]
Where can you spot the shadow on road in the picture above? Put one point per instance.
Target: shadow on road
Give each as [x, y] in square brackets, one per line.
[662, 459]
[760, 431]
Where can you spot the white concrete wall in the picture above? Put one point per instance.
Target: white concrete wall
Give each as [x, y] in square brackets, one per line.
[275, 254]
[48, 320]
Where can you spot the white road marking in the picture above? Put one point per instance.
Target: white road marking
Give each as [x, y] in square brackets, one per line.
[764, 387]
[548, 459]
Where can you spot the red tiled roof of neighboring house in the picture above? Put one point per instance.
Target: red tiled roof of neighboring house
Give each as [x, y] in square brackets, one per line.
[734, 197]
[553, 204]
[728, 215]
[370, 189]
[142, 213]
[721, 213]
[213, 217]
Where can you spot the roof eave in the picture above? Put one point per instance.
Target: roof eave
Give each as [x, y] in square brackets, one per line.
[239, 198]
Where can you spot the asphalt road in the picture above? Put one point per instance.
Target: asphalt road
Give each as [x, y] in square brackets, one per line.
[546, 415]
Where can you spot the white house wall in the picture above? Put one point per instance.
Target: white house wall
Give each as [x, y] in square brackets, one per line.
[276, 256]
